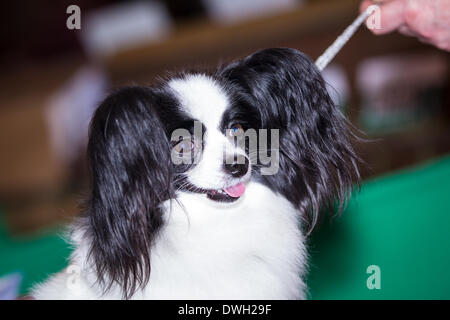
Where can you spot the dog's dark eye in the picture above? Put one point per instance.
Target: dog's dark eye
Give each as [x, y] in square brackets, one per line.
[185, 146]
[235, 130]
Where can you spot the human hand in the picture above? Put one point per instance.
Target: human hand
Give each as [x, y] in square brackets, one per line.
[427, 20]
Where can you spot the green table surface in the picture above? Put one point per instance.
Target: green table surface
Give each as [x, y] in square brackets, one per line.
[35, 256]
[399, 222]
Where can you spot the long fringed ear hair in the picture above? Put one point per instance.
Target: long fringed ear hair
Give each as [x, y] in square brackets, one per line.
[129, 158]
[317, 164]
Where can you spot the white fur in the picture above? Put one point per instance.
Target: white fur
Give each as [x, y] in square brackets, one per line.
[202, 98]
[250, 249]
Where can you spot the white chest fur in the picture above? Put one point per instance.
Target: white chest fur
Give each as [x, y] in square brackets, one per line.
[252, 249]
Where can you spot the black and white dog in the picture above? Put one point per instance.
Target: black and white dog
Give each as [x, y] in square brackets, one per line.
[225, 224]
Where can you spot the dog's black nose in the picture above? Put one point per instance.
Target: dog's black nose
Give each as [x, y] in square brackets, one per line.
[238, 168]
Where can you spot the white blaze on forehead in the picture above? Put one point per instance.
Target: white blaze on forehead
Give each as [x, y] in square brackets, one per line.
[202, 98]
[205, 100]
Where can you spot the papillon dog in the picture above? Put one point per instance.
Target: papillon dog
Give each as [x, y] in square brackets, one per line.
[205, 186]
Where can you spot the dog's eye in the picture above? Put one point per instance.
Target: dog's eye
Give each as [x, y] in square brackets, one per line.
[235, 130]
[185, 146]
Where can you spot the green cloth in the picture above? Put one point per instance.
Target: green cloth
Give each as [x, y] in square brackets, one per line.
[35, 256]
[399, 222]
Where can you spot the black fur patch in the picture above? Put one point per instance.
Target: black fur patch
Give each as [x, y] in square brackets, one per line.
[132, 173]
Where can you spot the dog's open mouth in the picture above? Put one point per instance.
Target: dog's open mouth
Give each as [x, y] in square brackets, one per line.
[229, 194]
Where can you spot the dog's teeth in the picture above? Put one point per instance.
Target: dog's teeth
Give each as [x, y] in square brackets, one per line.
[216, 192]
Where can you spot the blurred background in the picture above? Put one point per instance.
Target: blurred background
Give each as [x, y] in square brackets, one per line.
[393, 88]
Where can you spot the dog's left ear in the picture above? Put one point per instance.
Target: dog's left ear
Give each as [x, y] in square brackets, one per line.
[317, 163]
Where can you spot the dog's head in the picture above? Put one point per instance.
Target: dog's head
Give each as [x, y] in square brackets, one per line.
[267, 118]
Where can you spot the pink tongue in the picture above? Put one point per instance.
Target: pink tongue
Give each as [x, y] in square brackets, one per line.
[235, 191]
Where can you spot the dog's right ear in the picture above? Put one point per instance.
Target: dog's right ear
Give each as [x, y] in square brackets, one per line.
[318, 164]
[129, 158]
